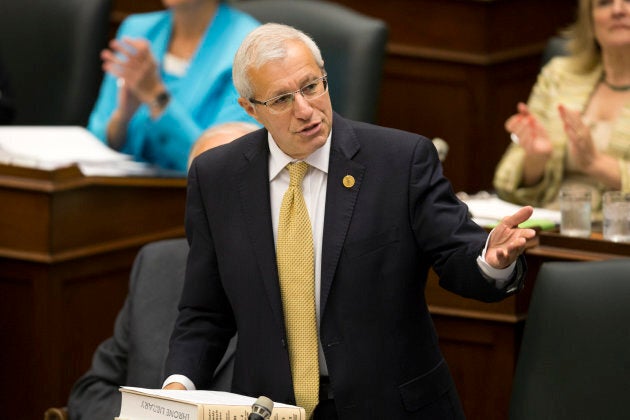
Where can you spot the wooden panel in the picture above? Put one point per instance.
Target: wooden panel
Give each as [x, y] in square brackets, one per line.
[462, 103]
[55, 317]
[482, 357]
[59, 215]
[17, 230]
[471, 26]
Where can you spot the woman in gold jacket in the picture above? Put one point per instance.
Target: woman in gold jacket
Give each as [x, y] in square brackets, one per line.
[575, 128]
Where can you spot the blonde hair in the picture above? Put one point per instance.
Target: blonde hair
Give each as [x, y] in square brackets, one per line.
[583, 46]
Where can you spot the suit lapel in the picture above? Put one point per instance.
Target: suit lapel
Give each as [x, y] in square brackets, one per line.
[253, 184]
[340, 199]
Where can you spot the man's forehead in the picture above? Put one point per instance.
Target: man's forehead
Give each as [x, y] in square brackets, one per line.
[276, 80]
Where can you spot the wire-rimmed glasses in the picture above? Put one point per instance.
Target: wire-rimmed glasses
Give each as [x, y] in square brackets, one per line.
[282, 103]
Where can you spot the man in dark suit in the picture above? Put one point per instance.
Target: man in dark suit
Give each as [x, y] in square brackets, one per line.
[382, 214]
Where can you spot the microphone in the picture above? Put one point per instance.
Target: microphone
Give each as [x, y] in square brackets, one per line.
[261, 409]
[442, 148]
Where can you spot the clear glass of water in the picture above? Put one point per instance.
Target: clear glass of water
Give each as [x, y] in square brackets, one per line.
[575, 212]
[616, 208]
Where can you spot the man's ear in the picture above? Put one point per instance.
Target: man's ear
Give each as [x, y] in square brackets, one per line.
[249, 108]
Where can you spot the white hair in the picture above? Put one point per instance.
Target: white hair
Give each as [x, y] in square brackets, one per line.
[264, 44]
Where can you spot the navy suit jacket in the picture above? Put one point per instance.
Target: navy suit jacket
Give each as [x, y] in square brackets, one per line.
[380, 238]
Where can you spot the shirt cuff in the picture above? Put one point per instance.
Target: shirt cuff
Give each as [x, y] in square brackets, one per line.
[182, 380]
[500, 276]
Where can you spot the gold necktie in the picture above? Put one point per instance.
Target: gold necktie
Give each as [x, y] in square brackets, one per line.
[296, 268]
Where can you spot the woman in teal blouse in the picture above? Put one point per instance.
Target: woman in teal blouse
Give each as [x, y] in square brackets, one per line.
[168, 78]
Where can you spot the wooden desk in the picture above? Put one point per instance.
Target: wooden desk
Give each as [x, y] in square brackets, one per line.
[67, 243]
[481, 341]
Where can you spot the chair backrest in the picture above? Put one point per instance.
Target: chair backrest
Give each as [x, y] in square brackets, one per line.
[51, 53]
[574, 361]
[556, 46]
[352, 44]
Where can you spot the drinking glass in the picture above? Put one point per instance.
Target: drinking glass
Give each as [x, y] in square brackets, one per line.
[616, 208]
[575, 212]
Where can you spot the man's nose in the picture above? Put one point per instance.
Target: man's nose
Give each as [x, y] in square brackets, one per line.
[301, 106]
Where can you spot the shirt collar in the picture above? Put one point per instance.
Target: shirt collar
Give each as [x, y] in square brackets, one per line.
[278, 159]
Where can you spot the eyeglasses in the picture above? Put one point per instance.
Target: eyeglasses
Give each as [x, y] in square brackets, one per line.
[282, 103]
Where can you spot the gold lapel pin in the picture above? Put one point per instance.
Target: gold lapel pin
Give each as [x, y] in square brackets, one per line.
[348, 181]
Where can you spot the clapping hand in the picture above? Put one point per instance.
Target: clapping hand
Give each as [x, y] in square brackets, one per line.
[581, 145]
[529, 133]
[131, 61]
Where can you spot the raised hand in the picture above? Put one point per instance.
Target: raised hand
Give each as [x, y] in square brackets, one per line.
[507, 241]
[581, 146]
[131, 61]
[531, 135]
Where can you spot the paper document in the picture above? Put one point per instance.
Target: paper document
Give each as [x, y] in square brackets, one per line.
[487, 209]
[52, 147]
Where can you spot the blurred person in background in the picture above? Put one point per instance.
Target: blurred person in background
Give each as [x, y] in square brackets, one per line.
[219, 135]
[168, 78]
[575, 128]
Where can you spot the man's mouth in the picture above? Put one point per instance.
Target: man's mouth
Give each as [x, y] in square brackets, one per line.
[310, 129]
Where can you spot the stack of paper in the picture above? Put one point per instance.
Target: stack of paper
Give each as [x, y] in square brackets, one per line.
[51, 147]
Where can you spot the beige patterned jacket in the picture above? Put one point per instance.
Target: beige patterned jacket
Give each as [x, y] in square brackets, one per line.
[558, 84]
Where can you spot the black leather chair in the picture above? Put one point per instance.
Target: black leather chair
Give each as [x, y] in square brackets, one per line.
[51, 53]
[574, 361]
[352, 44]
